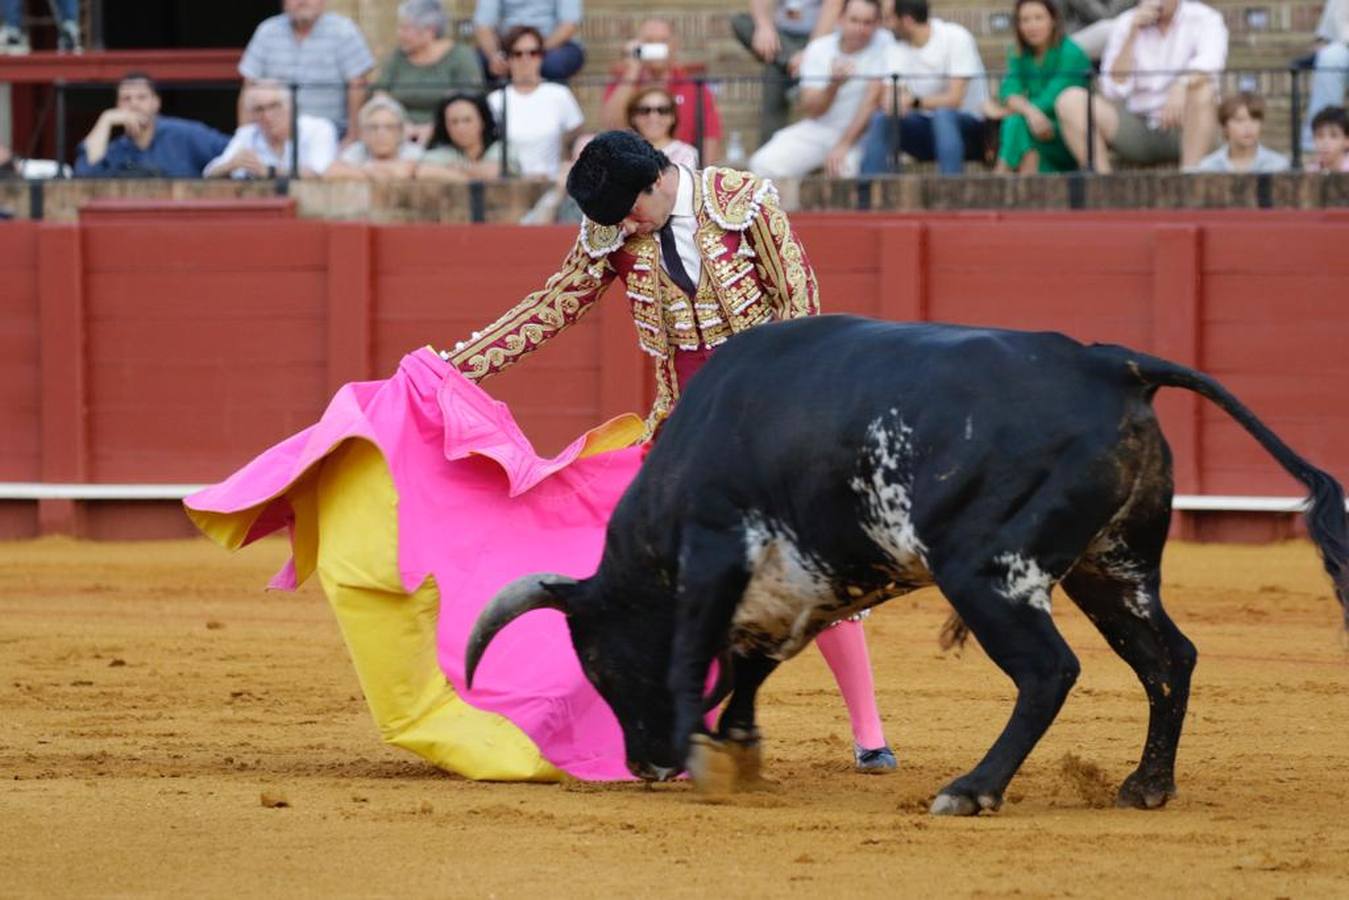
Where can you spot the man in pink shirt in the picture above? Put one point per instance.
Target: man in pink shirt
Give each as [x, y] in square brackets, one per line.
[652, 61]
[1158, 85]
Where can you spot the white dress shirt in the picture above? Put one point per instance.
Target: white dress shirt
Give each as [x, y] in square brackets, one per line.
[318, 148]
[682, 224]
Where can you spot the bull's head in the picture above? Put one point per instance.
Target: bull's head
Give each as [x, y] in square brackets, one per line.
[624, 651]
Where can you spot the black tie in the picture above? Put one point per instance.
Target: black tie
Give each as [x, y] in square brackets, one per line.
[673, 264]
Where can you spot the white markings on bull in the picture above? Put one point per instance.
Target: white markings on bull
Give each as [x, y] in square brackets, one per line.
[969, 427]
[1026, 582]
[785, 594]
[884, 485]
[1109, 556]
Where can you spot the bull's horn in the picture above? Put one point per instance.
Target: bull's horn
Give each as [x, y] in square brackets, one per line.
[515, 599]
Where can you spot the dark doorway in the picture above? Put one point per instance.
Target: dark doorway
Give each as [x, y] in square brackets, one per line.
[185, 24]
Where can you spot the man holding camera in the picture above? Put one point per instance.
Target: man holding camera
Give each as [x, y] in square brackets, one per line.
[651, 60]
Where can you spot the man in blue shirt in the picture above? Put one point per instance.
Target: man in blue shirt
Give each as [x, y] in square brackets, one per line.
[151, 145]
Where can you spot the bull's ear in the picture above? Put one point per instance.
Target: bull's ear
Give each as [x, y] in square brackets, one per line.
[514, 600]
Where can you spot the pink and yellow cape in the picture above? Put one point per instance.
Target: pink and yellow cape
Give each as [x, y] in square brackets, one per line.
[415, 499]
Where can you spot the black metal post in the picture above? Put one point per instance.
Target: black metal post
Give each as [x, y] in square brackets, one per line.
[96, 25]
[699, 123]
[501, 131]
[892, 129]
[1295, 125]
[1091, 121]
[295, 130]
[60, 125]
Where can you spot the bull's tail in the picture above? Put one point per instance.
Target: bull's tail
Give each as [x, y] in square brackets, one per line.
[1327, 522]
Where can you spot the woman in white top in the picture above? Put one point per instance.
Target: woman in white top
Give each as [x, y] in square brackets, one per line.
[653, 115]
[540, 118]
[383, 152]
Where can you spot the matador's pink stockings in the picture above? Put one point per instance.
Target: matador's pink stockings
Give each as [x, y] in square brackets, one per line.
[844, 647]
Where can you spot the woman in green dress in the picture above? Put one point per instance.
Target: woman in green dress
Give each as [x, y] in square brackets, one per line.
[1042, 64]
[426, 64]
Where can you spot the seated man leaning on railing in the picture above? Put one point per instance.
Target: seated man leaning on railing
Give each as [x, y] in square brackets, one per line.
[150, 145]
[1159, 81]
[262, 147]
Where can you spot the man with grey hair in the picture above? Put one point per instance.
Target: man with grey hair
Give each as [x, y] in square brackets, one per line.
[557, 20]
[426, 64]
[323, 52]
[262, 148]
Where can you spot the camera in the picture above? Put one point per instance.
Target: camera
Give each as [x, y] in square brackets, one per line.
[651, 52]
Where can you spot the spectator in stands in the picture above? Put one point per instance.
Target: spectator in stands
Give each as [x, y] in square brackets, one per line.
[1329, 130]
[426, 61]
[262, 148]
[323, 52]
[557, 20]
[652, 113]
[1159, 85]
[835, 98]
[150, 145]
[1330, 77]
[1089, 22]
[540, 117]
[555, 206]
[777, 32]
[1039, 67]
[14, 40]
[464, 145]
[1240, 117]
[383, 152]
[652, 59]
[942, 94]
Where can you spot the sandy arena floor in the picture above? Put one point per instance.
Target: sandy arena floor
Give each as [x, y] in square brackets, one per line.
[151, 695]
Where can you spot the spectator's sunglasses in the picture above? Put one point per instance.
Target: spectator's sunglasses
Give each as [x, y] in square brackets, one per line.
[662, 110]
[258, 109]
[523, 54]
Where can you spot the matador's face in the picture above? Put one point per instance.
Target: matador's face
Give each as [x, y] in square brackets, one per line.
[654, 205]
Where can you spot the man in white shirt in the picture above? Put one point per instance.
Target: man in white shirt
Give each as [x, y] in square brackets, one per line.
[1330, 78]
[262, 148]
[942, 91]
[1159, 87]
[835, 73]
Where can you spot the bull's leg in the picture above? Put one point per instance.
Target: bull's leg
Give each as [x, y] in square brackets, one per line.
[712, 577]
[1123, 601]
[1019, 636]
[737, 725]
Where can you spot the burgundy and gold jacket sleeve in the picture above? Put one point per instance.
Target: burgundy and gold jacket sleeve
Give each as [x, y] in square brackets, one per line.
[566, 297]
[781, 261]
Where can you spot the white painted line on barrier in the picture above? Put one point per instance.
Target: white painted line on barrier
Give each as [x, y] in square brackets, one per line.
[41, 491]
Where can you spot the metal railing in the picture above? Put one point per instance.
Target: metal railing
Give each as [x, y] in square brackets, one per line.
[1273, 84]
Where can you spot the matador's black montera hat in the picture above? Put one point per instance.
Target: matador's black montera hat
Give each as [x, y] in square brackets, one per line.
[612, 170]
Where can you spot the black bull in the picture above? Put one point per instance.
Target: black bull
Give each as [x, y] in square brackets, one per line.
[820, 466]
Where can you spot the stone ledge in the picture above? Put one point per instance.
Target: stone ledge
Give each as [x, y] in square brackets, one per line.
[507, 201]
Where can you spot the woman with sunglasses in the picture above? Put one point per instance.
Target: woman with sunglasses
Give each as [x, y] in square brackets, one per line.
[652, 114]
[541, 118]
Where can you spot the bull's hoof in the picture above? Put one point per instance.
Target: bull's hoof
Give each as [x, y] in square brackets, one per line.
[712, 766]
[1141, 792]
[964, 804]
[744, 749]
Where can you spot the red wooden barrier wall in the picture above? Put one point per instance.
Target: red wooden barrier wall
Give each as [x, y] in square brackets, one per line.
[172, 351]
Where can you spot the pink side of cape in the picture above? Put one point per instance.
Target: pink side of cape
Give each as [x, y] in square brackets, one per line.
[477, 508]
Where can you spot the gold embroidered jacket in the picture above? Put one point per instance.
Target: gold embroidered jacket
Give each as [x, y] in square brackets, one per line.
[754, 270]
